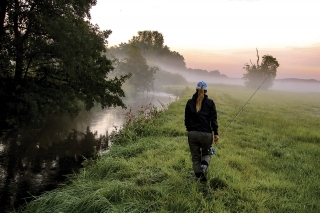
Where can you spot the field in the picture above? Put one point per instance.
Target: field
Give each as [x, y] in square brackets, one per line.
[268, 160]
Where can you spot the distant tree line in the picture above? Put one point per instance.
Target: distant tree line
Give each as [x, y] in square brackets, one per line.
[204, 73]
[299, 80]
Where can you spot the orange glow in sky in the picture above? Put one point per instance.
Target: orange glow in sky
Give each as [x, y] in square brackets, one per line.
[302, 62]
[223, 34]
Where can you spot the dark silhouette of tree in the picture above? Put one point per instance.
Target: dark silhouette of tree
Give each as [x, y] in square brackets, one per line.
[51, 61]
[142, 75]
[152, 48]
[148, 40]
[265, 73]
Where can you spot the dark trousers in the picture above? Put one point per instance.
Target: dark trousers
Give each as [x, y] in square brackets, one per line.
[199, 144]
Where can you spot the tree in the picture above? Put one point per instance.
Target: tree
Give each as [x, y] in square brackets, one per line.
[265, 73]
[51, 60]
[151, 43]
[152, 48]
[148, 40]
[142, 76]
[3, 6]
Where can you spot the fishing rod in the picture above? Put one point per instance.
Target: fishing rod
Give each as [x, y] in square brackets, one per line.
[225, 129]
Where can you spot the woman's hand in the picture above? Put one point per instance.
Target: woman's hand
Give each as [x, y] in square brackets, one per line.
[215, 139]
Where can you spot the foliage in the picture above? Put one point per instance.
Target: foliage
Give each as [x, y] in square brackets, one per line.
[163, 78]
[51, 61]
[177, 90]
[151, 44]
[153, 49]
[141, 75]
[147, 40]
[204, 74]
[265, 72]
[268, 161]
[137, 124]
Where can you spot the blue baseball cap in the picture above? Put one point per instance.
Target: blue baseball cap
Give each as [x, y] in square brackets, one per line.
[202, 83]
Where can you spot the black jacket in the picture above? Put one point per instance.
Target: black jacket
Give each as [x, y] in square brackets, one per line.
[205, 120]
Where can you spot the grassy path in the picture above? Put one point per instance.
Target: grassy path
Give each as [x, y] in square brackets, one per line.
[268, 160]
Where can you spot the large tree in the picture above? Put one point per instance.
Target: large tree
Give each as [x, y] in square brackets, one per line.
[261, 74]
[151, 43]
[152, 48]
[51, 60]
[148, 40]
[142, 75]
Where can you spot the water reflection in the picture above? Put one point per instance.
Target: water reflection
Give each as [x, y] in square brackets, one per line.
[32, 162]
[36, 160]
[107, 120]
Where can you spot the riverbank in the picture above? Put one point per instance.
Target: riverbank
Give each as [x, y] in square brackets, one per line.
[33, 161]
[267, 161]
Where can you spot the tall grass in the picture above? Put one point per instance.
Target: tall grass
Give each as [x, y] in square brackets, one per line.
[267, 161]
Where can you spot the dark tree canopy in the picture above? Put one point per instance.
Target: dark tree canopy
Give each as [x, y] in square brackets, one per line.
[151, 45]
[51, 61]
[147, 40]
[265, 73]
[142, 75]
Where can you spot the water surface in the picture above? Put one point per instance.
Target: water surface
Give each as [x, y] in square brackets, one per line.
[37, 160]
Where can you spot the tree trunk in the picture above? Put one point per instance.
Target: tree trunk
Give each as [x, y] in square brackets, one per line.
[3, 8]
[18, 45]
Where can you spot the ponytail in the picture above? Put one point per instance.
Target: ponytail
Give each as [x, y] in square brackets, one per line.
[200, 98]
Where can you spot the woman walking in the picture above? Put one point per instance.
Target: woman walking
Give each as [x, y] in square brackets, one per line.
[202, 126]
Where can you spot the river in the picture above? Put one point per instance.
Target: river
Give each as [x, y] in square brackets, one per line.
[107, 120]
[37, 160]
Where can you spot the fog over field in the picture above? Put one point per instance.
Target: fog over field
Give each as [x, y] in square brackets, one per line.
[217, 77]
[289, 85]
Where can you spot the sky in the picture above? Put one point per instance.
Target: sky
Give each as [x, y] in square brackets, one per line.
[223, 34]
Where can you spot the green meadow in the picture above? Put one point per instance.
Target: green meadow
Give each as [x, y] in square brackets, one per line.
[268, 160]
